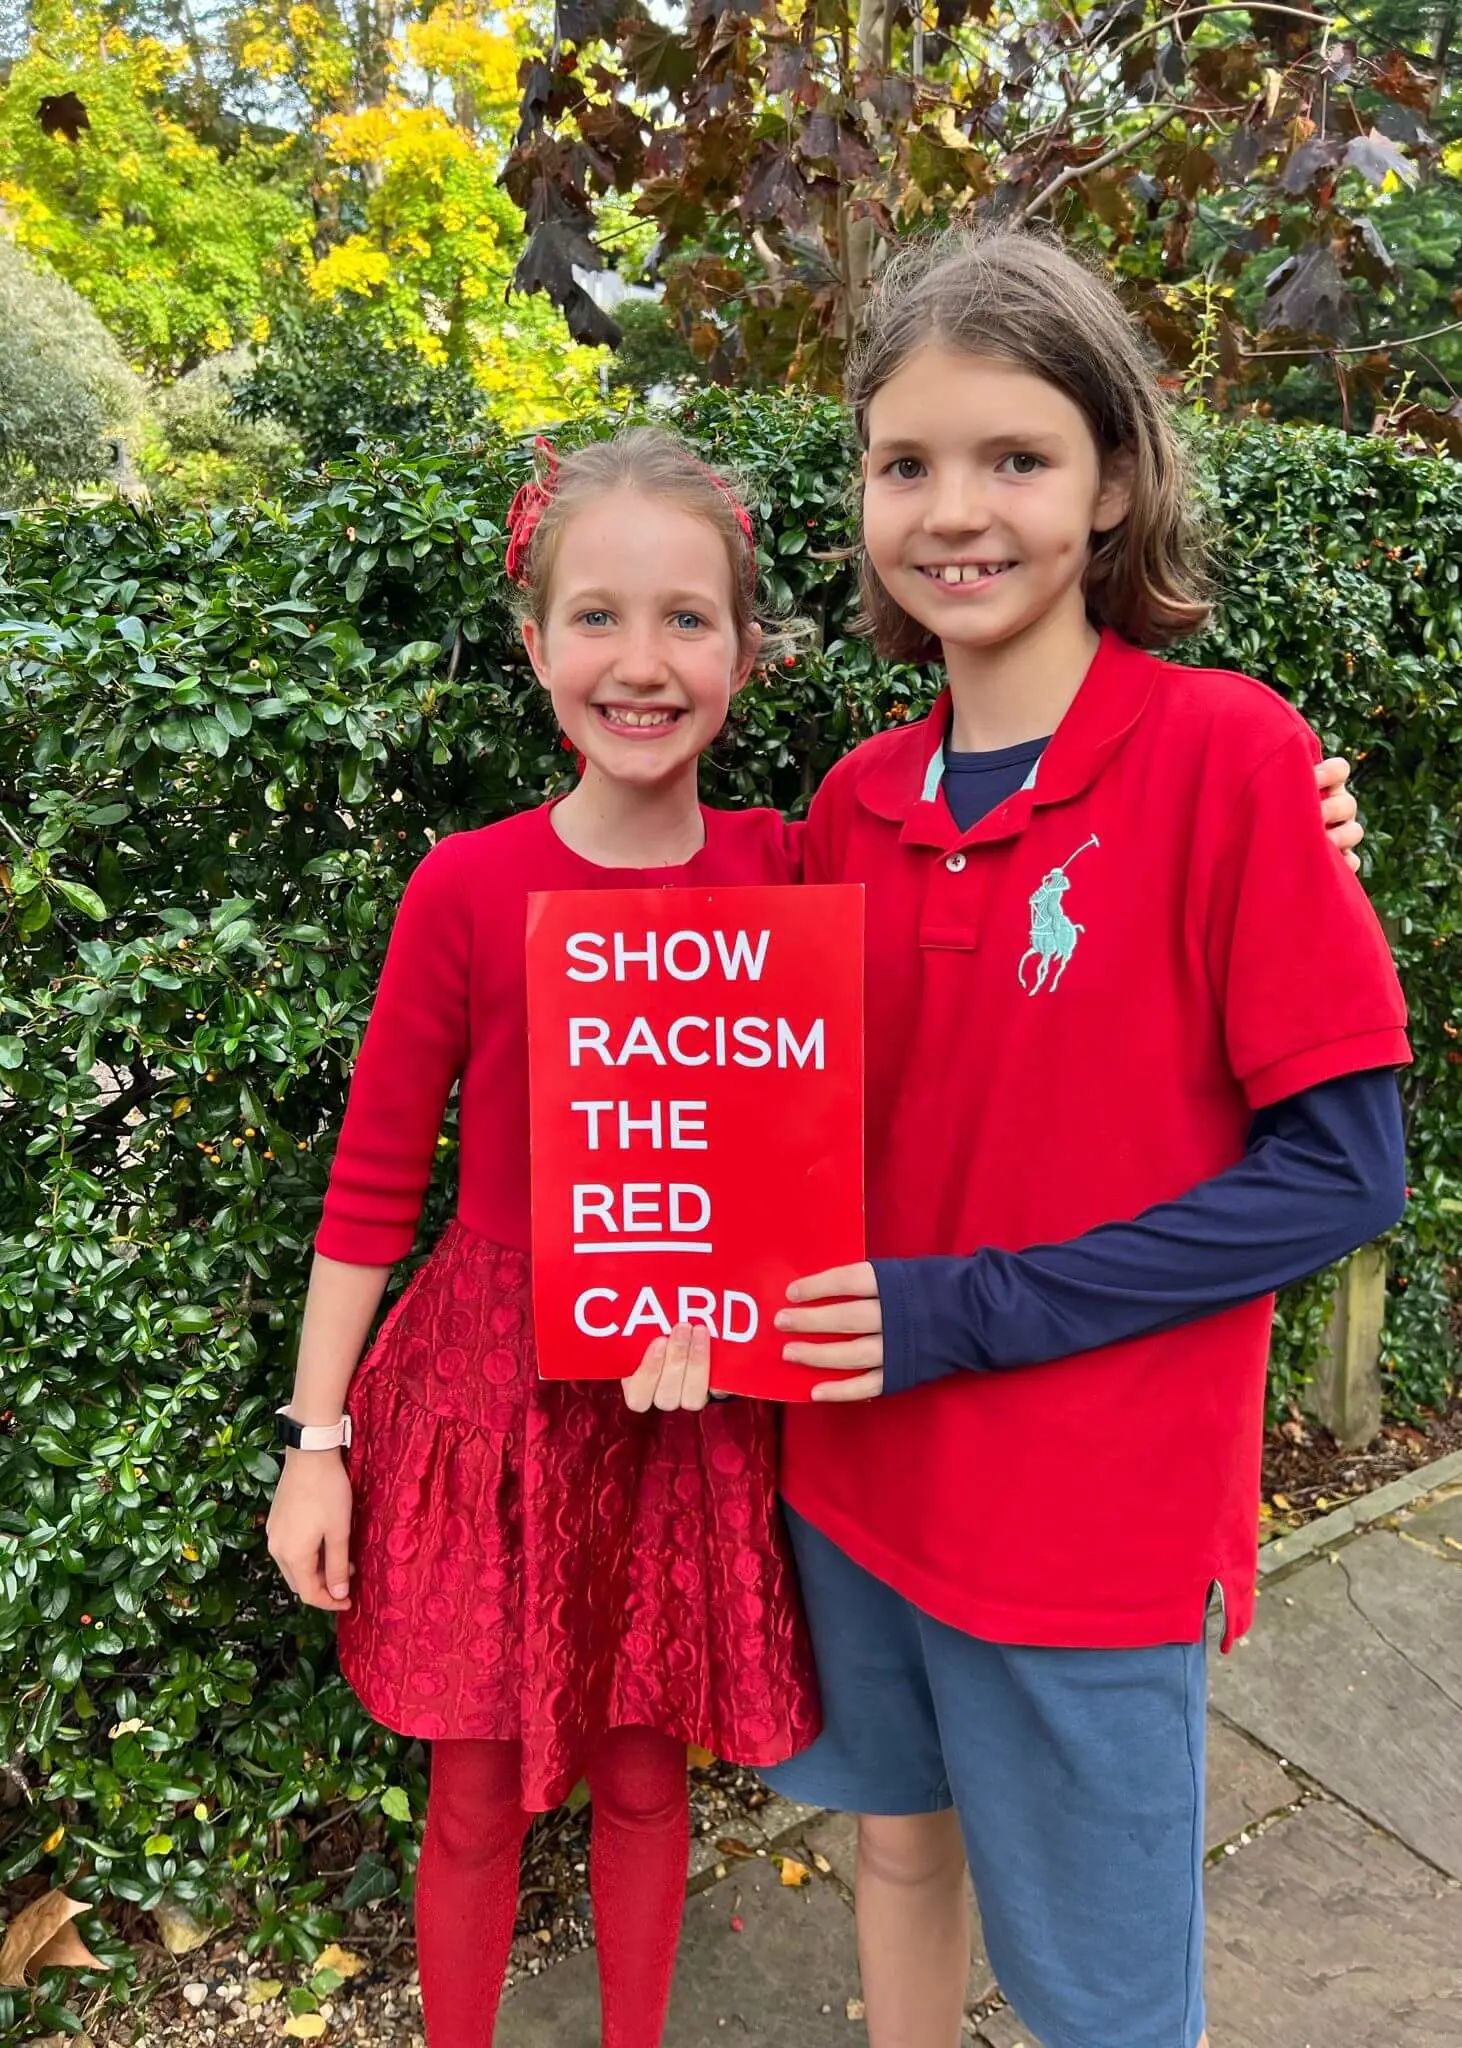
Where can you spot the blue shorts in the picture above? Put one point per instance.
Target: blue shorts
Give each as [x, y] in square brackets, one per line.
[1078, 1778]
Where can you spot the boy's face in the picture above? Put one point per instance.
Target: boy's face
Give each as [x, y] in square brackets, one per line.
[638, 650]
[982, 488]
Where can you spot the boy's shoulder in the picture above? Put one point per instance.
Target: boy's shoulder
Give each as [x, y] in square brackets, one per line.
[1225, 708]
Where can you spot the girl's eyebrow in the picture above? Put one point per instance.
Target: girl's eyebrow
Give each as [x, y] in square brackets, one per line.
[1034, 438]
[671, 600]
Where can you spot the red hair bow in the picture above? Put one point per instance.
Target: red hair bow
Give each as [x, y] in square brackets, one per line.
[529, 505]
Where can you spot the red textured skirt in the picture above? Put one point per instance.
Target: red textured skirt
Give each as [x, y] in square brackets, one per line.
[535, 1563]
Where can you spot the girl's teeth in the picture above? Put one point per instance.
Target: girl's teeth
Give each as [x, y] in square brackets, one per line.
[970, 572]
[639, 717]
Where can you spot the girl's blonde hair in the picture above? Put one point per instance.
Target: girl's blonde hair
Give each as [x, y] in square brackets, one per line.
[1023, 298]
[661, 465]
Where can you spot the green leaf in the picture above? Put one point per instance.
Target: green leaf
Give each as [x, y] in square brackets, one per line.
[12, 1053]
[158, 1845]
[395, 1803]
[80, 898]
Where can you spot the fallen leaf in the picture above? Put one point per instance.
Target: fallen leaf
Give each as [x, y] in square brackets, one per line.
[262, 1990]
[41, 1937]
[180, 1932]
[821, 1863]
[305, 2026]
[730, 1846]
[53, 1841]
[1282, 1503]
[343, 1961]
[126, 1728]
[793, 1872]
[699, 1759]
[855, 2009]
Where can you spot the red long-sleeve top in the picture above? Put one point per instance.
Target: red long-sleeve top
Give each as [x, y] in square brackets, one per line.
[453, 1008]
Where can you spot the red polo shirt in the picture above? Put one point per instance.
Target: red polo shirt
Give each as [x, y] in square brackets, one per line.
[1074, 1010]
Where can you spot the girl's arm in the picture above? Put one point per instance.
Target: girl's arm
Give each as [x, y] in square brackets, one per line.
[309, 1521]
[414, 1050]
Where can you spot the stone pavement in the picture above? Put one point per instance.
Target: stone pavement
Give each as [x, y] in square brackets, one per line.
[1334, 1825]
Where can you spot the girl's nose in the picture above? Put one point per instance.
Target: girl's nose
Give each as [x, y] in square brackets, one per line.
[641, 660]
[957, 505]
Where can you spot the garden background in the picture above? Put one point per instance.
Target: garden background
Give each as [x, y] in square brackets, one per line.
[263, 402]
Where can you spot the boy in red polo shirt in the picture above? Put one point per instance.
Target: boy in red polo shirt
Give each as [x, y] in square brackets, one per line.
[1132, 1033]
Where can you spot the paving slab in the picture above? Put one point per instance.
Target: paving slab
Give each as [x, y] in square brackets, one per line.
[1245, 1785]
[783, 1981]
[1325, 1933]
[1354, 1672]
[1439, 1523]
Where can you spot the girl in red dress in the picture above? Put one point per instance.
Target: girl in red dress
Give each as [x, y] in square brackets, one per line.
[536, 1578]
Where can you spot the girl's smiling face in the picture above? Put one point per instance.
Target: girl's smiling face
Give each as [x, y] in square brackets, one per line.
[638, 647]
[982, 488]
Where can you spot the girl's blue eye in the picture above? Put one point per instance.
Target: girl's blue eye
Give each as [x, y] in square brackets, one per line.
[1023, 463]
[595, 618]
[688, 622]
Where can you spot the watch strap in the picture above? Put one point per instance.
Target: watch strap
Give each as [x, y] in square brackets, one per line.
[311, 1436]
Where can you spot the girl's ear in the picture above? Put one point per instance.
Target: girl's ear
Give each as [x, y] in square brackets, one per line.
[747, 660]
[1114, 500]
[533, 641]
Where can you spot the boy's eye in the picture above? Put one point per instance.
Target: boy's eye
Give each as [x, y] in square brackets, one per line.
[594, 618]
[1022, 463]
[906, 468]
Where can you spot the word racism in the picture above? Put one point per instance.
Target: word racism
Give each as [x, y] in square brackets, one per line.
[696, 1079]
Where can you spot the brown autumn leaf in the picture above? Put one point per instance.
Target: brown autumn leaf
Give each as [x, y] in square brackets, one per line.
[41, 1936]
[729, 1846]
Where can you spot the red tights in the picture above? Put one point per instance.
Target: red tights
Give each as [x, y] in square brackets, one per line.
[467, 1884]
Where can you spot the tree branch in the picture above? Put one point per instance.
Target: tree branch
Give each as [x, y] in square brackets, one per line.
[1072, 172]
[1360, 348]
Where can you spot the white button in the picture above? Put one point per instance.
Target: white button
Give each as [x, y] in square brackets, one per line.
[956, 863]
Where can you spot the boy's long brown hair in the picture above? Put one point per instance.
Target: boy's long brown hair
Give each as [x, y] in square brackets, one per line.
[1024, 299]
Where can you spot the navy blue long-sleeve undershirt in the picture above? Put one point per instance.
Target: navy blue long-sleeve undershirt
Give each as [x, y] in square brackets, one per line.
[1323, 1172]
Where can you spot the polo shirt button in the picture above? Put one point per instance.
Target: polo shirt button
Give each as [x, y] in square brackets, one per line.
[956, 863]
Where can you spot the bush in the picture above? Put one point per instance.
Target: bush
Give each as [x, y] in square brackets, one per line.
[228, 738]
[333, 381]
[63, 382]
[204, 448]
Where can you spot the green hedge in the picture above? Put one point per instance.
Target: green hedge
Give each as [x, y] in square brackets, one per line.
[224, 741]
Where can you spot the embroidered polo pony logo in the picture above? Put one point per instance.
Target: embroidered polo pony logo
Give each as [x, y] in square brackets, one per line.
[1053, 934]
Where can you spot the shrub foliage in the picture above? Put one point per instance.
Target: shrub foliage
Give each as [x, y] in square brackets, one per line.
[224, 741]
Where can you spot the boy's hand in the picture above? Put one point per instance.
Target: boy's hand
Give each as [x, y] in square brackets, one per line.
[854, 1312]
[309, 1528]
[674, 1373]
[1338, 808]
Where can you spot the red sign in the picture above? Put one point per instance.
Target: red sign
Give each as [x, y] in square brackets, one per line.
[696, 1080]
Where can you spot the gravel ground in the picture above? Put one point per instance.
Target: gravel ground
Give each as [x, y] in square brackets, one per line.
[1306, 1474]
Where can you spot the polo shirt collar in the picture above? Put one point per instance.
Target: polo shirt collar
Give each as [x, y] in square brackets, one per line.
[907, 785]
